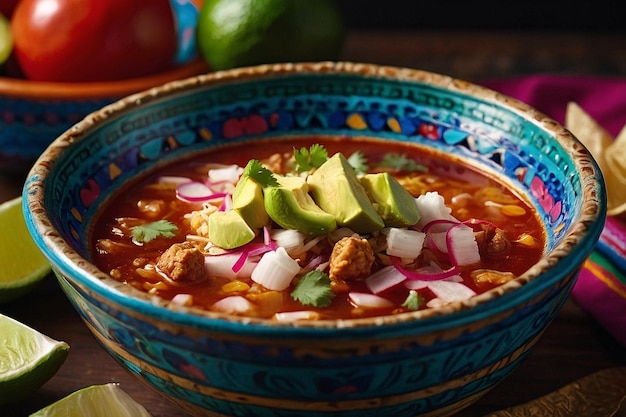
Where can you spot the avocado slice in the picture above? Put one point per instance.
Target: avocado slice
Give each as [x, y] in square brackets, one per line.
[291, 207]
[248, 202]
[391, 200]
[228, 230]
[335, 187]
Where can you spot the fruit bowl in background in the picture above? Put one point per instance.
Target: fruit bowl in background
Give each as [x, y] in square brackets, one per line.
[34, 113]
[431, 362]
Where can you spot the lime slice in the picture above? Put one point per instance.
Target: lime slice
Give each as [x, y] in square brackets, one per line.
[28, 358]
[6, 39]
[22, 265]
[107, 400]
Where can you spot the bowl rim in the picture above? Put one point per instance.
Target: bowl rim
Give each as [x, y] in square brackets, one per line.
[583, 233]
[21, 88]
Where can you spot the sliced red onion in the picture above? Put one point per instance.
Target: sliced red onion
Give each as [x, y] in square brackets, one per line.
[419, 274]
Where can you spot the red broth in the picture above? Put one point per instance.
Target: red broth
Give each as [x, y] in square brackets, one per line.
[468, 193]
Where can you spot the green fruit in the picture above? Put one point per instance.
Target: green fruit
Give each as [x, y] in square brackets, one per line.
[248, 202]
[391, 200]
[228, 230]
[336, 189]
[235, 33]
[107, 400]
[6, 40]
[22, 265]
[28, 358]
[291, 207]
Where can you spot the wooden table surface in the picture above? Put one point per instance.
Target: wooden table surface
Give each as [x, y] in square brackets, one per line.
[573, 346]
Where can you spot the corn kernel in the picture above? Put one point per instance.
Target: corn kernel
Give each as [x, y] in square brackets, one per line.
[235, 286]
[512, 210]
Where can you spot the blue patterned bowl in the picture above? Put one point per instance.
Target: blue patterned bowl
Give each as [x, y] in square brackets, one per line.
[432, 362]
[34, 113]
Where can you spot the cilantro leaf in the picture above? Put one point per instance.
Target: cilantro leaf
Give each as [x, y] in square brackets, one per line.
[399, 162]
[255, 170]
[144, 233]
[413, 301]
[313, 289]
[308, 159]
[358, 161]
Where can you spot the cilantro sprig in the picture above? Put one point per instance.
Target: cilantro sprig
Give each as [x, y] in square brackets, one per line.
[358, 161]
[413, 301]
[400, 162]
[313, 289]
[255, 170]
[308, 159]
[146, 232]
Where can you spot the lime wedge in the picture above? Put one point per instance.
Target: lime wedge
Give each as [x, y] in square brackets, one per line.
[22, 265]
[6, 39]
[28, 358]
[107, 400]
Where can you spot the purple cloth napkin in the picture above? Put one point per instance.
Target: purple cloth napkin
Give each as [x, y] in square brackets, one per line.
[601, 286]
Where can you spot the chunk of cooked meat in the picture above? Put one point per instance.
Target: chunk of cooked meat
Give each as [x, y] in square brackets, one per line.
[352, 257]
[493, 241]
[183, 262]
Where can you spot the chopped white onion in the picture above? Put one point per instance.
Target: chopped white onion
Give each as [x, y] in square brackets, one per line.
[384, 279]
[275, 270]
[431, 206]
[462, 245]
[222, 265]
[297, 315]
[450, 291]
[365, 300]
[291, 240]
[233, 304]
[404, 243]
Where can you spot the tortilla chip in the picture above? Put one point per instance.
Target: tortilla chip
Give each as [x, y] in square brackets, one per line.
[609, 153]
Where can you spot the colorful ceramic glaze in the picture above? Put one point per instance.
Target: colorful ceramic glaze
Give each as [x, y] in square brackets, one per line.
[432, 362]
[34, 113]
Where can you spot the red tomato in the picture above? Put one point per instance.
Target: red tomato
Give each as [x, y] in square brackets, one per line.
[93, 40]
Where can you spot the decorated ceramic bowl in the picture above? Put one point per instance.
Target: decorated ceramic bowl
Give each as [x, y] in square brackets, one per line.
[430, 362]
[34, 113]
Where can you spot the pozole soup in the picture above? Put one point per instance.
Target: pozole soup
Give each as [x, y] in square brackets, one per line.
[317, 229]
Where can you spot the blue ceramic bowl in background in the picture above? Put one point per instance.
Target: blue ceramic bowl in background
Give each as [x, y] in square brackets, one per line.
[34, 113]
[432, 362]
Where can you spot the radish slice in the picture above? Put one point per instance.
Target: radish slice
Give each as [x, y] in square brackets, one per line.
[233, 304]
[173, 179]
[383, 279]
[450, 291]
[194, 191]
[224, 266]
[229, 173]
[462, 245]
[365, 300]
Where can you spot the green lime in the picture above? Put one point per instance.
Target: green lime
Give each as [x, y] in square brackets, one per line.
[28, 358]
[6, 39]
[22, 265]
[107, 400]
[236, 33]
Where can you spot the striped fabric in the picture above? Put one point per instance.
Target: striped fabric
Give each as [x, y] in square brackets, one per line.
[601, 286]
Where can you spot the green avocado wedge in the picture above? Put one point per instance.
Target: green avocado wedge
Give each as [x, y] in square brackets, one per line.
[335, 187]
[392, 201]
[248, 202]
[291, 207]
[228, 230]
